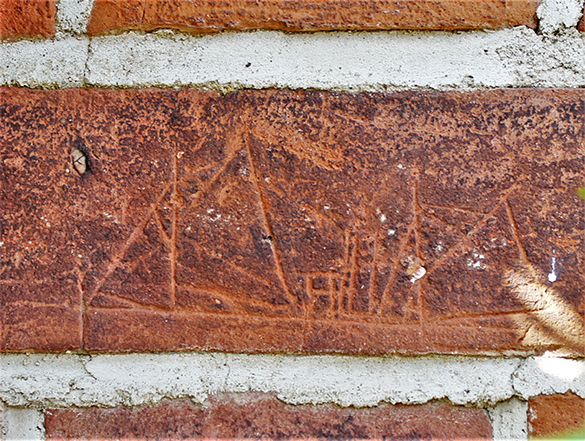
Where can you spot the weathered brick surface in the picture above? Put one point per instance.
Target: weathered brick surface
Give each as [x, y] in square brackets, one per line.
[255, 415]
[292, 221]
[557, 414]
[27, 18]
[309, 15]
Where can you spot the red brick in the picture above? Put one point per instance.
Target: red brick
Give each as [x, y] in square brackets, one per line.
[27, 18]
[256, 415]
[278, 221]
[581, 25]
[557, 414]
[309, 15]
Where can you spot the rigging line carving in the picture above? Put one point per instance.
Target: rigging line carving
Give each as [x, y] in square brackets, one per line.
[131, 239]
[371, 289]
[479, 224]
[233, 151]
[268, 226]
[173, 238]
[516, 234]
[418, 288]
[412, 226]
[161, 228]
[353, 273]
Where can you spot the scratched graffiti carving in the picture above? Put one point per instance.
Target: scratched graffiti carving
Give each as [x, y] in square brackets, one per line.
[301, 221]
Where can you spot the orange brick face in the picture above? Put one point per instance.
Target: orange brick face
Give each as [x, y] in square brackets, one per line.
[256, 415]
[27, 18]
[286, 221]
[304, 15]
[553, 415]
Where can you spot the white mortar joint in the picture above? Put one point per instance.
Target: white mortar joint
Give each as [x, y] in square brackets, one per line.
[555, 15]
[353, 62]
[45, 380]
[73, 16]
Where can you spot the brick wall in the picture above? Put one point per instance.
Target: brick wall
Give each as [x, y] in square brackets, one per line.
[211, 228]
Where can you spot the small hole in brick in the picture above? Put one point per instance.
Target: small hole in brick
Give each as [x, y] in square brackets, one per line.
[79, 160]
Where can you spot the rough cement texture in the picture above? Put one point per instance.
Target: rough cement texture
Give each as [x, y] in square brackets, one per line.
[557, 14]
[41, 380]
[44, 64]
[340, 61]
[509, 420]
[73, 15]
[548, 375]
[516, 57]
[22, 424]
[366, 61]
[38, 381]
[136, 379]
[263, 59]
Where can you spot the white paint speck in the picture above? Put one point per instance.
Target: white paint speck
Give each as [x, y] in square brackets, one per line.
[552, 276]
[391, 232]
[475, 261]
[383, 218]
[418, 274]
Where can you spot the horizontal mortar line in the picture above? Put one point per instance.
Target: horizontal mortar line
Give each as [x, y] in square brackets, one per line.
[359, 61]
[137, 379]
